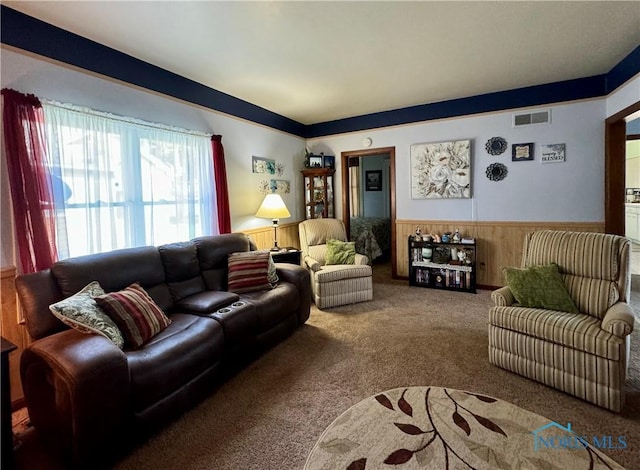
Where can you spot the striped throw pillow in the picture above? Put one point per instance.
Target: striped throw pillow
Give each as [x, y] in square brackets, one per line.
[138, 317]
[249, 271]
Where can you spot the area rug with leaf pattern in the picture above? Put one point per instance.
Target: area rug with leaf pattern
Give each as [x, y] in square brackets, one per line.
[442, 428]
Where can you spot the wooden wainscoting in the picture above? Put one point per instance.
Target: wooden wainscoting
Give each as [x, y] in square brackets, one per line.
[263, 236]
[499, 244]
[12, 328]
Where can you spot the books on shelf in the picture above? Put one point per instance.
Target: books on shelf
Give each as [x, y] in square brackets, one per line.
[445, 271]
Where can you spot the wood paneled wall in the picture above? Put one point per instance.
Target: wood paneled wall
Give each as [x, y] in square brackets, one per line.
[287, 236]
[499, 244]
[13, 329]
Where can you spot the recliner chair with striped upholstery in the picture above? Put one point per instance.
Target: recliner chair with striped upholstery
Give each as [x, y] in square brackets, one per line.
[584, 354]
[333, 285]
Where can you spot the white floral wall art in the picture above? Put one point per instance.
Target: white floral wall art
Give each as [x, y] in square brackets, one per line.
[274, 186]
[441, 170]
[263, 165]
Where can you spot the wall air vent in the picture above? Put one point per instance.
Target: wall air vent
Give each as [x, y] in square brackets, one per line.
[542, 116]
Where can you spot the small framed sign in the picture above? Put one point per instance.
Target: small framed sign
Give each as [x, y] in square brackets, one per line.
[373, 180]
[522, 152]
[553, 153]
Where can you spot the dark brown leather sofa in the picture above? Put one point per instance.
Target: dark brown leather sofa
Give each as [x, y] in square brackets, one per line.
[91, 400]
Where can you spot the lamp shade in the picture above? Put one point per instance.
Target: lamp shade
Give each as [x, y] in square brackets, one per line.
[273, 207]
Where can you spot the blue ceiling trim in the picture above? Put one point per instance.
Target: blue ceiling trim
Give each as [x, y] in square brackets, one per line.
[627, 68]
[519, 98]
[28, 33]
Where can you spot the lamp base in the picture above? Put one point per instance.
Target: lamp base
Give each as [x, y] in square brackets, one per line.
[275, 248]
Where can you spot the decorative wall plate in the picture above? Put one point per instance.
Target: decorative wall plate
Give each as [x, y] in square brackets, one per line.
[496, 145]
[496, 172]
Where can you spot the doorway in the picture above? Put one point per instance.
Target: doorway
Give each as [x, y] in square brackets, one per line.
[369, 183]
[615, 217]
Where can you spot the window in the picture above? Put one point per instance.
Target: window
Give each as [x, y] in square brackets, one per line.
[121, 182]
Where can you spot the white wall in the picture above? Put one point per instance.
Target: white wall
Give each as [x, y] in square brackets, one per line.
[569, 191]
[624, 96]
[241, 139]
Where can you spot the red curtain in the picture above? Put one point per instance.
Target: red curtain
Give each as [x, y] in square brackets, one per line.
[222, 190]
[29, 180]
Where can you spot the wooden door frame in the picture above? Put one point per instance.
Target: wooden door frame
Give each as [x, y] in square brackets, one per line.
[615, 138]
[346, 200]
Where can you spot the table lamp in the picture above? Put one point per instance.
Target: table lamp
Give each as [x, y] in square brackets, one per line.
[273, 207]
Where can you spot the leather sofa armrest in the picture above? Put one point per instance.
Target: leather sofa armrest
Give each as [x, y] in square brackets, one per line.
[503, 297]
[312, 264]
[78, 392]
[361, 259]
[618, 320]
[298, 276]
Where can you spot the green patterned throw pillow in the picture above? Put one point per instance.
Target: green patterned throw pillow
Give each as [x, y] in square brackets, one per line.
[540, 287]
[81, 312]
[339, 252]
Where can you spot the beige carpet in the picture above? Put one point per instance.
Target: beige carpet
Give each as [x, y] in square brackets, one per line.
[270, 415]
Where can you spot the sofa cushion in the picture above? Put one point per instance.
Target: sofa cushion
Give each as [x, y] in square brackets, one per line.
[114, 270]
[540, 286]
[206, 302]
[583, 254]
[592, 296]
[182, 269]
[573, 330]
[332, 273]
[339, 252]
[136, 314]
[213, 252]
[272, 306]
[188, 347]
[249, 271]
[81, 312]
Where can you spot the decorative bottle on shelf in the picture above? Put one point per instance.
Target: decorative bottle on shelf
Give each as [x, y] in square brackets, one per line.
[456, 237]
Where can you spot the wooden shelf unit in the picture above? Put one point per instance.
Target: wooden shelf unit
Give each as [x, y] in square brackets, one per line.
[318, 193]
[441, 271]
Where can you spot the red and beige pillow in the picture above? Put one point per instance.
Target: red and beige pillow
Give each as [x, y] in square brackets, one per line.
[251, 271]
[135, 313]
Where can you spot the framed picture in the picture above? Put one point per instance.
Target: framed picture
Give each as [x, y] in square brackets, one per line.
[522, 152]
[329, 161]
[315, 161]
[441, 170]
[263, 165]
[373, 180]
[553, 153]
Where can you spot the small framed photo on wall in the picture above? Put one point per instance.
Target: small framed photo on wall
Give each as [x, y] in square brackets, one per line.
[329, 161]
[315, 161]
[373, 180]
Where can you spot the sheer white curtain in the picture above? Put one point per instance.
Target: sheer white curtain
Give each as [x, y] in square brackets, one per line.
[121, 182]
[355, 206]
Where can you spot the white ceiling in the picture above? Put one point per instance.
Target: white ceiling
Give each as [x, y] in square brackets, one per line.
[318, 61]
